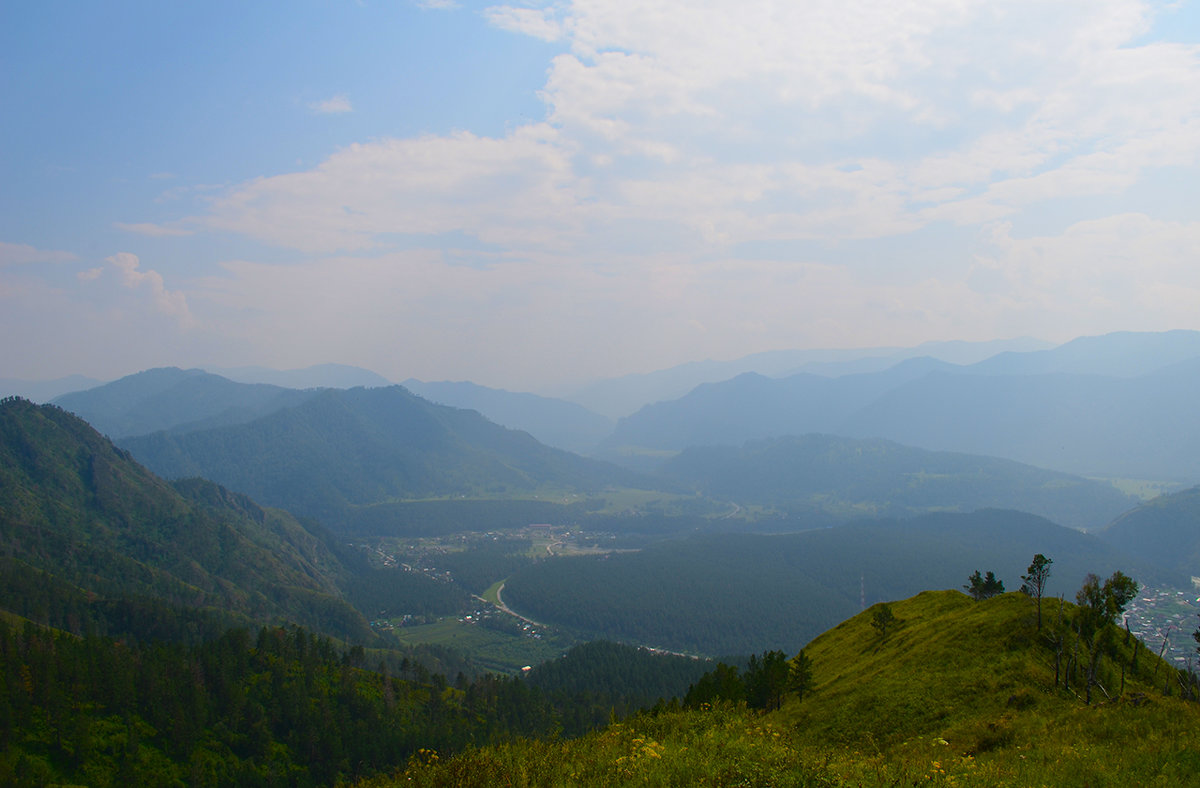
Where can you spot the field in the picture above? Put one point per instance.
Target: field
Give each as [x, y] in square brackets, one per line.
[502, 651]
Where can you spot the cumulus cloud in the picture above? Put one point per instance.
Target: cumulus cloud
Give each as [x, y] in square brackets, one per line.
[517, 189]
[170, 302]
[678, 134]
[537, 22]
[739, 121]
[335, 105]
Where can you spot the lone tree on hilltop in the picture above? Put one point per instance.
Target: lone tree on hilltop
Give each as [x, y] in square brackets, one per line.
[1035, 582]
[1099, 607]
[980, 587]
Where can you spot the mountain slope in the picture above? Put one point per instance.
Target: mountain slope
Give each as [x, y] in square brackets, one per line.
[319, 376]
[959, 693]
[876, 477]
[554, 422]
[1119, 354]
[618, 397]
[1136, 420]
[1143, 427]
[76, 507]
[1165, 531]
[752, 406]
[175, 399]
[360, 447]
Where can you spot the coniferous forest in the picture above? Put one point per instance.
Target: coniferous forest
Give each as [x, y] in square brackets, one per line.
[424, 597]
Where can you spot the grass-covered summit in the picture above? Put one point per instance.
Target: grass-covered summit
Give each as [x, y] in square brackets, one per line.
[955, 693]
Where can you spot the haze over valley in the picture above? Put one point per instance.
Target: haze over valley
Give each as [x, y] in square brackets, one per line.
[440, 393]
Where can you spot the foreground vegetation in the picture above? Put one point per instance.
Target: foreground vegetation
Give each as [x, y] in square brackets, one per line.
[955, 693]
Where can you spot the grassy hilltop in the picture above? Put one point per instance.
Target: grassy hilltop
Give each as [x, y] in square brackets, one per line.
[957, 693]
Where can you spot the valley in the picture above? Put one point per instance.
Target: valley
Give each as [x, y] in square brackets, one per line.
[428, 558]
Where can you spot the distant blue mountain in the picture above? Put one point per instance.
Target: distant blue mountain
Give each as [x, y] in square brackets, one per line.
[1121, 405]
[554, 422]
[1120, 354]
[324, 376]
[617, 397]
[175, 399]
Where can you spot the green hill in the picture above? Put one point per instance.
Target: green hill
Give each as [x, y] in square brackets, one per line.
[343, 450]
[177, 400]
[958, 693]
[1165, 531]
[81, 517]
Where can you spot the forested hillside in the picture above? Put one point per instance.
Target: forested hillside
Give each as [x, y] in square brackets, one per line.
[281, 707]
[85, 513]
[855, 478]
[1164, 531]
[346, 449]
[736, 593]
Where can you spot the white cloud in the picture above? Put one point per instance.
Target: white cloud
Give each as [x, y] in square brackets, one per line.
[676, 132]
[170, 302]
[737, 121]
[1123, 269]
[537, 22]
[518, 189]
[23, 254]
[334, 105]
[152, 230]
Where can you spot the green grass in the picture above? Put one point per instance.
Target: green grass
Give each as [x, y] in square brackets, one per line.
[1144, 489]
[492, 594]
[494, 650]
[959, 693]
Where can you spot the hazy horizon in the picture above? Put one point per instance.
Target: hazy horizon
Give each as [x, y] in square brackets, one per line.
[543, 194]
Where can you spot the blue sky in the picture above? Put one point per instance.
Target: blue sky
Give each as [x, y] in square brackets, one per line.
[534, 194]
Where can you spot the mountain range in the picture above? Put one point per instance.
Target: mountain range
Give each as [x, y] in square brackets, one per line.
[1117, 406]
[337, 450]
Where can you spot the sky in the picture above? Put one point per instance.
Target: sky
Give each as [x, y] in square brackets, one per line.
[540, 194]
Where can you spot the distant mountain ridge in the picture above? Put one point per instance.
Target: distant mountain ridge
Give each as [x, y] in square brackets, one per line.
[170, 398]
[753, 406]
[318, 376]
[554, 422]
[361, 447]
[622, 396]
[1137, 421]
